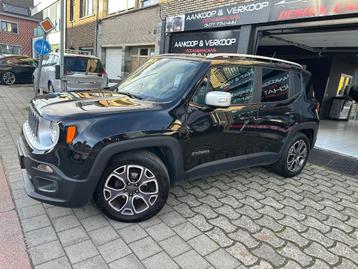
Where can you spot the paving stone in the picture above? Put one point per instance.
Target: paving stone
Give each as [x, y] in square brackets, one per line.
[223, 223]
[34, 223]
[320, 264]
[262, 265]
[132, 233]
[160, 261]
[268, 253]
[65, 223]
[117, 225]
[87, 211]
[31, 211]
[312, 222]
[150, 222]
[196, 191]
[339, 235]
[46, 252]
[249, 211]
[343, 251]
[128, 262]
[231, 201]
[211, 201]
[220, 237]
[292, 212]
[214, 191]
[191, 260]
[270, 223]
[292, 203]
[103, 235]
[160, 232]
[175, 246]
[73, 236]
[114, 250]
[190, 200]
[56, 212]
[313, 234]
[291, 265]
[270, 211]
[334, 222]
[203, 244]
[40, 236]
[96, 262]
[94, 222]
[60, 263]
[206, 211]
[291, 251]
[25, 202]
[184, 210]
[317, 250]
[293, 236]
[266, 235]
[172, 219]
[145, 248]
[293, 223]
[347, 264]
[81, 251]
[186, 231]
[245, 238]
[240, 252]
[247, 224]
[200, 222]
[222, 259]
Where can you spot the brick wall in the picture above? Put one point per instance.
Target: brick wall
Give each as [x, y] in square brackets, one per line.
[133, 27]
[177, 7]
[24, 36]
[81, 32]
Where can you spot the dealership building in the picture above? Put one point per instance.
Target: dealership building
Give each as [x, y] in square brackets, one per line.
[322, 35]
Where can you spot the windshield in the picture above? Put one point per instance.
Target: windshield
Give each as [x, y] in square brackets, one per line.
[82, 64]
[160, 79]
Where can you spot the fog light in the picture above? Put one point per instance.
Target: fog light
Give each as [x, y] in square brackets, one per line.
[44, 168]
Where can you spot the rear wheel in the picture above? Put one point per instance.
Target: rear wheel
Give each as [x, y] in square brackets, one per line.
[294, 157]
[134, 187]
[8, 78]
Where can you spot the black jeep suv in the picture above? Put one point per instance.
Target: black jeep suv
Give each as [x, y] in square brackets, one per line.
[176, 118]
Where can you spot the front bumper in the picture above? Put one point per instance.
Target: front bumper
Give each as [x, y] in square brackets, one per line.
[46, 183]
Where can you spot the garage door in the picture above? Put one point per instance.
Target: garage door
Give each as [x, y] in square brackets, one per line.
[114, 63]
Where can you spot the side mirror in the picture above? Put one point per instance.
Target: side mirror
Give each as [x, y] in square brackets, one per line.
[218, 99]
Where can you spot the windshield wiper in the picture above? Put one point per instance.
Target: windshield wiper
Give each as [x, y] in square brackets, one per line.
[131, 95]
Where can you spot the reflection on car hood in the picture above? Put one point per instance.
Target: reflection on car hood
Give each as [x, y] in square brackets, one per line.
[83, 103]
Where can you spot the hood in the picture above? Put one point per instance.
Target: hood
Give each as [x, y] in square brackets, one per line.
[87, 104]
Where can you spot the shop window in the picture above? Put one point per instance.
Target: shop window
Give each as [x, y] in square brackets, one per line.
[10, 27]
[237, 80]
[9, 49]
[86, 8]
[275, 85]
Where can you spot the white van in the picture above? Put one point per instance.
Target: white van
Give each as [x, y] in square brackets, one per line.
[82, 72]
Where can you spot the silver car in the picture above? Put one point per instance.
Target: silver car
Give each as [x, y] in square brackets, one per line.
[82, 72]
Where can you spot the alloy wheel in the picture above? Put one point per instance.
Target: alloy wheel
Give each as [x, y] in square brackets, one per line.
[131, 189]
[297, 155]
[9, 78]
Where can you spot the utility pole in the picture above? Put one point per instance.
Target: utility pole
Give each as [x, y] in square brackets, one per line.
[62, 44]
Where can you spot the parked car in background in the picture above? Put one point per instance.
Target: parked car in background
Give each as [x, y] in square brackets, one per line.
[16, 69]
[82, 72]
[176, 118]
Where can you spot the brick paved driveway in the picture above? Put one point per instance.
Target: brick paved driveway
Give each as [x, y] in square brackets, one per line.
[244, 219]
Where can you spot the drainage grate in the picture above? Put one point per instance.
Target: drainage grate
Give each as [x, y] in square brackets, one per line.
[334, 161]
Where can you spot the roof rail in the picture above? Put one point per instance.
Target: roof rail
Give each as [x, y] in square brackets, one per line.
[80, 52]
[247, 56]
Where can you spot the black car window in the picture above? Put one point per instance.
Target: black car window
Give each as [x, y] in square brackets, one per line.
[296, 83]
[275, 85]
[235, 79]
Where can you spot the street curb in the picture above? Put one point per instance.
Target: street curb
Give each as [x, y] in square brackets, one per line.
[13, 252]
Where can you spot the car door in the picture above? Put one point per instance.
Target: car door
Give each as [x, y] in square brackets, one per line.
[277, 111]
[28, 66]
[221, 134]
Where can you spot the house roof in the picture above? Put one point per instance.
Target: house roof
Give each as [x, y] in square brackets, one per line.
[18, 8]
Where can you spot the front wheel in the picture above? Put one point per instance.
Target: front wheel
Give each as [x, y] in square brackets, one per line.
[294, 157]
[134, 187]
[8, 78]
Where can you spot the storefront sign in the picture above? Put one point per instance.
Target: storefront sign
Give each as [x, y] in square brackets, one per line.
[240, 14]
[206, 43]
[299, 9]
[259, 12]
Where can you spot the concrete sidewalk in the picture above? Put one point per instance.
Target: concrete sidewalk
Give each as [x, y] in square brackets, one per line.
[12, 248]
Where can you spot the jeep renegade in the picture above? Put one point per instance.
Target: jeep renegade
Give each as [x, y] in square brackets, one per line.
[176, 118]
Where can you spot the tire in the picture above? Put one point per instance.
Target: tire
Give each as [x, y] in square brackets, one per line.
[120, 193]
[294, 157]
[8, 78]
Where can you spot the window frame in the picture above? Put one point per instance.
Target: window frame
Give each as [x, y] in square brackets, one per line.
[83, 11]
[11, 22]
[259, 89]
[255, 95]
[13, 46]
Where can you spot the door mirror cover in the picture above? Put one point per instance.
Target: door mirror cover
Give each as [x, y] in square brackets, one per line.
[218, 99]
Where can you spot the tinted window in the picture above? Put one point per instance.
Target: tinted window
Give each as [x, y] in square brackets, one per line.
[296, 83]
[82, 65]
[275, 85]
[10, 27]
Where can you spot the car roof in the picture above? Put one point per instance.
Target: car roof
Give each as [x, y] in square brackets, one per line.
[75, 55]
[243, 59]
